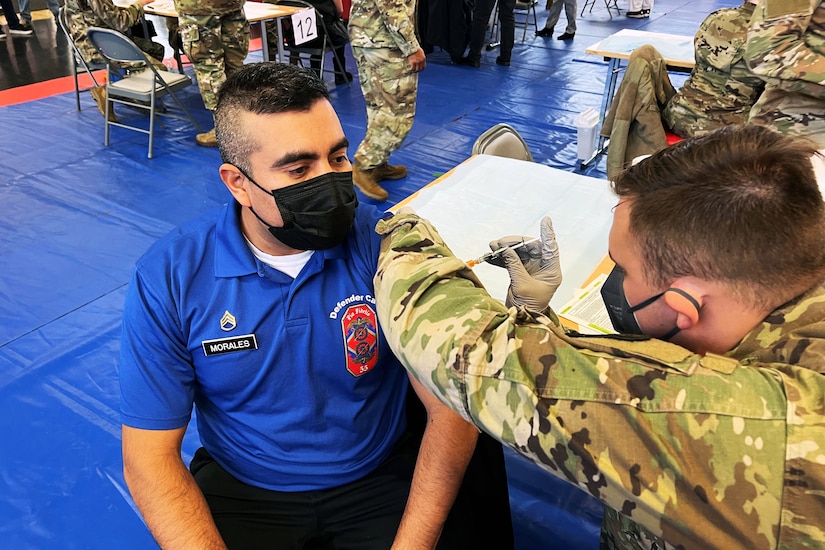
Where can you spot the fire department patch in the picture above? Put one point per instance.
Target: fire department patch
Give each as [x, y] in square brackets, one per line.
[360, 327]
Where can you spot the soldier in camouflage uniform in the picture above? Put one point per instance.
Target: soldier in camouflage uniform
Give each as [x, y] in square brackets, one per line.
[714, 439]
[215, 36]
[389, 58]
[721, 89]
[786, 46]
[82, 14]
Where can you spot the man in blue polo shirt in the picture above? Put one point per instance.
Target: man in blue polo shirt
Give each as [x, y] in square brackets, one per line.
[262, 316]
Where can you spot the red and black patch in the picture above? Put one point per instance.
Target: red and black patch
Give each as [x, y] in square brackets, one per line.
[359, 325]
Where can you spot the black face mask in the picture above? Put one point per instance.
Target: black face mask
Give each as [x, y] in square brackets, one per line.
[622, 314]
[317, 213]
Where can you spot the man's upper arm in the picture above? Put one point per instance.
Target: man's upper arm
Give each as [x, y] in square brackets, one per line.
[141, 444]
[156, 372]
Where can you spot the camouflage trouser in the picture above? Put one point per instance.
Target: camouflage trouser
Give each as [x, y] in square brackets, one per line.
[390, 89]
[619, 531]
[790, 113]
[217, 46]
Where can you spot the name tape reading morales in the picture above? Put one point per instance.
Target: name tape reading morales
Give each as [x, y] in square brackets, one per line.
[229, 345]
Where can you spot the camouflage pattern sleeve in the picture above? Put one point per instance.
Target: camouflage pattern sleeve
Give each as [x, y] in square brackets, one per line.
[384, 24]
[208, 7]
[116, 17]
[703, 451]
[721, 88]
[786, 41]
[82, 14]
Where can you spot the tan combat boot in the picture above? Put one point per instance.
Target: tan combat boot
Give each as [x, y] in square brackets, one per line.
[207, 139]
[389, 172]
[99, 95]
[366, 181]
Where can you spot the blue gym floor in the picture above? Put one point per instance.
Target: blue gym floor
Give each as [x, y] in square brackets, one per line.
[76, 215]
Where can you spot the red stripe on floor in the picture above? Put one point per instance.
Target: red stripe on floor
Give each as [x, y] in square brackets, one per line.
[39, 90]
[48, 88]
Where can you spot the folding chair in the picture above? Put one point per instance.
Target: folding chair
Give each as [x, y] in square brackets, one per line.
[502, 140]
[609, 4]
[525, 8]
[143, 89]
[79, 64]
[316, 53]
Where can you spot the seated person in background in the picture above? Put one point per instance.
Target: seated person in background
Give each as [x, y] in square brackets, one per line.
[786, 47]
[718, 93]
[82, 14]
[261, 314]
[332, 12]
[703, 421]
[721, 88]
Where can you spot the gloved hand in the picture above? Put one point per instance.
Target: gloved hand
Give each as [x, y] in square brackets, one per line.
[534, 269]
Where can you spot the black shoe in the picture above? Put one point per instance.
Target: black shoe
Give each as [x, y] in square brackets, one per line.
[645, 13]
[343, 78]
[501, 61]
[545, 33]
[636, 14]
[470, 62]
[20, 30]
[566, 36]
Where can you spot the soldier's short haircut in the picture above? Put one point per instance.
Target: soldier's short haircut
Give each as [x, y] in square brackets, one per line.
[260, 88]
[739, 206]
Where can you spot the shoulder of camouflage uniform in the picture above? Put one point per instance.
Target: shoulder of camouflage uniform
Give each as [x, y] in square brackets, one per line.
[777, 9]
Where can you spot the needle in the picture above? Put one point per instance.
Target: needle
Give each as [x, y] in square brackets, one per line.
[495, 253]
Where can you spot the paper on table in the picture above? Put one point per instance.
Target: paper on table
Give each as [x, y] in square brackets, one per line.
[671, 47]
[587, 309]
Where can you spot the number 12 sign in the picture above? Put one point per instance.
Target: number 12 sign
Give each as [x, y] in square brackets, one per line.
[303, 26]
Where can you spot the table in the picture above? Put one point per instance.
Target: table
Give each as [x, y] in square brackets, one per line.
[487, 197]
[677, 51]
[256, 12]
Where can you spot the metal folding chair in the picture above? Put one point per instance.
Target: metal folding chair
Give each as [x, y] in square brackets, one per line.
[609, 4]
[79, 64]
[142, 86]
[502, 140]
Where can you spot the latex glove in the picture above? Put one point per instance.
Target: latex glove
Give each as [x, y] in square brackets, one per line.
[534, 269]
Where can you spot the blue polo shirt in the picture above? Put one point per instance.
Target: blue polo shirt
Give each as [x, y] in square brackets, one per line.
[295, 386]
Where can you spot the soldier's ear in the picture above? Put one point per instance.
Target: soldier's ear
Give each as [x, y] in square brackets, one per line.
[685, 298]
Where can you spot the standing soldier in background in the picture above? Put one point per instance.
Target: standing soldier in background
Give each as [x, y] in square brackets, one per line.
[215, 36]
[786, 46]
[389, 58]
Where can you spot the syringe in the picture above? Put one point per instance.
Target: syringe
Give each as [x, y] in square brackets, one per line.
[495, 253]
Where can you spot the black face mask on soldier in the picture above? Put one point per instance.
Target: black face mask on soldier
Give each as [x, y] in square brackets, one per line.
[622, 314]
[317, 213]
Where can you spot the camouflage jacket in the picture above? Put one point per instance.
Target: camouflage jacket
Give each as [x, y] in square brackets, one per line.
[82, 14]
[383, 24]
[208, 7]
[706, 451]
[721, 88]
[786, 45]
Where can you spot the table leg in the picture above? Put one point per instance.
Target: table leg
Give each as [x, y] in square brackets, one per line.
[613, 68]
[280, 41]
[264, 42]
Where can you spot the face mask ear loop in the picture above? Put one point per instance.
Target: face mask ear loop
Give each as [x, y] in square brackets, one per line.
[645, 303]
[675, 330]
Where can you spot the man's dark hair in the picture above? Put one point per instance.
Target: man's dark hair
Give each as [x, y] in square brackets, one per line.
[260, 88]
[739, 206]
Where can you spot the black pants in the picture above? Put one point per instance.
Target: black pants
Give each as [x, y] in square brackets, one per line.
[481, 15]
[362, 515]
